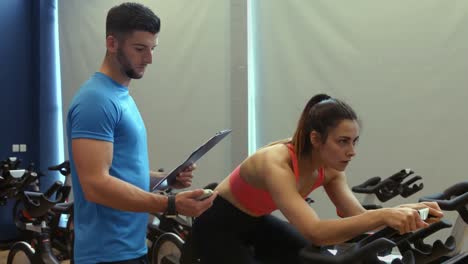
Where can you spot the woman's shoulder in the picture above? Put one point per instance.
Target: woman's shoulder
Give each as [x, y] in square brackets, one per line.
[272, 156]
[265, 163]
[276, 152]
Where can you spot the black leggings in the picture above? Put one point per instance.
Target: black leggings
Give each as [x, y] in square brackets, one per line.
[224, 234]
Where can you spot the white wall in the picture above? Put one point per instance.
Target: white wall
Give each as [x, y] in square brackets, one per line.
[186, 96]
[400, 64]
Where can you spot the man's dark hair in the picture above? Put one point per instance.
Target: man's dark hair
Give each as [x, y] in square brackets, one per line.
[128, 17]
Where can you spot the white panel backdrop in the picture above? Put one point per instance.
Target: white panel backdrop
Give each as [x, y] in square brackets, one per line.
[401, 64]
[184, 96]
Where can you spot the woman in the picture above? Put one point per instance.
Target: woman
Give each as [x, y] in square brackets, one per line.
[238, 228]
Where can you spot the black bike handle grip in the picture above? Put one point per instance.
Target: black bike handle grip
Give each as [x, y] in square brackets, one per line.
[401, 175]
[368, 186]
[63, 168]
[453, 198]
[412, 180]
[52, 189]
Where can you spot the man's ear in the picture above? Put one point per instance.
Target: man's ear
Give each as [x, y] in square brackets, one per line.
[112, 43]
[315, 139]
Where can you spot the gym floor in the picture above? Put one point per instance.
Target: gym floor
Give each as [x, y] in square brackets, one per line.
[4, 255]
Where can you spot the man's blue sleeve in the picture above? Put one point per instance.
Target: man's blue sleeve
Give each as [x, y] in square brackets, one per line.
[94, 116]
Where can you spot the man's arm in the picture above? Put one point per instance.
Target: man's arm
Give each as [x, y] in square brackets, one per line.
[102, 188]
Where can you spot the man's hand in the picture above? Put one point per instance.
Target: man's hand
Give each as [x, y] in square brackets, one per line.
[187, 202]
[184, 179]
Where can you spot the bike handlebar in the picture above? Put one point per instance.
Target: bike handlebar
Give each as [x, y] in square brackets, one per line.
[13, 181]
[364, 251]
[390, 187]
[408, 190]
[37, 204]
[369, 186]
[11, 163]
[454, 198]
[63, 168]
[11, 186]
[357, 254]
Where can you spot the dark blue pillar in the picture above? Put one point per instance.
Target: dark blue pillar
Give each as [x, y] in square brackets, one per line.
[50, 104]
[31, 102]
[17, 104]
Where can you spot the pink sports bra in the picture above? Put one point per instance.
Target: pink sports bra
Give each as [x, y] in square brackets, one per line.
[259, 201]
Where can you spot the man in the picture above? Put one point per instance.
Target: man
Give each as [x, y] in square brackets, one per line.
[108, 149]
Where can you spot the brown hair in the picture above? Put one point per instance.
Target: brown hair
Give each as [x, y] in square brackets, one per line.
[321, 114]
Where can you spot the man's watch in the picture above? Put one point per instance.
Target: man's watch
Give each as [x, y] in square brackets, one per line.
[171, 206]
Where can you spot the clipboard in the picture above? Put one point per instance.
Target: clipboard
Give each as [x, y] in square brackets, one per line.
[196, 155]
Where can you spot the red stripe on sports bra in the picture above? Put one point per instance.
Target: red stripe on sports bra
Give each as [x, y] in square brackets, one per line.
[321, 175]
[293, 156]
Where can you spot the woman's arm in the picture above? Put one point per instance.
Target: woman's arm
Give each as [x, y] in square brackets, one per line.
[280, 182]
[340, 194]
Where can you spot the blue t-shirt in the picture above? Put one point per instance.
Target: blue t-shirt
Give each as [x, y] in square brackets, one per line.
[103, 110]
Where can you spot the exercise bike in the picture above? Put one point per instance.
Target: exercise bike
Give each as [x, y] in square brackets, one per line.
[61, 219]
[411, 246]
[13, 180]
[454, 198]
[58, 219]
[34, 218]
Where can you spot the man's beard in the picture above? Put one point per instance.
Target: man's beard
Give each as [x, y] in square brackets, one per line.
[126, 66]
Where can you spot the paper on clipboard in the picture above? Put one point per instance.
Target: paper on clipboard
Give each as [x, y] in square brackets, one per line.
[197, 154]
